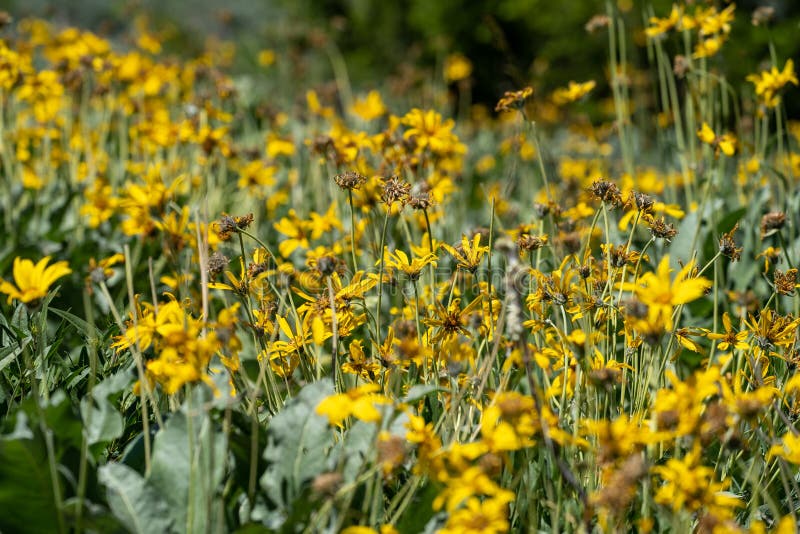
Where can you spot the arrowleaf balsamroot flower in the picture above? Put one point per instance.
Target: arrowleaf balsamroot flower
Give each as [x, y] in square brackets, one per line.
[769, 82]
[789, 449]
[411, 267]
[573, 92]
[33, 281]
[725, 142]
[469, 254]
[359, 402]
[661, 295]
[691, 486]
[730, 339]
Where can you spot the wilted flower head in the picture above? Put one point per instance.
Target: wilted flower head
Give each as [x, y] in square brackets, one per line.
[643, 201]
[513, 99]
[785, 282]
[420, 200]
[772, 222]
[395, 190]
[529, 242]
[216, 264]
[350, 180]
[596, 22]
[727, 245]
[228, 225]
[607, 192]
[762, 15]
[660, 229]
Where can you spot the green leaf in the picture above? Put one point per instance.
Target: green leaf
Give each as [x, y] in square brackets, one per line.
[681, 247]
[355, 450]
[26, 490]
[82, 326]
[8, 355]
[297, 442]
[420, 511]
[418, 391]
[133, 500]
[188, 468]
[104, 422]
[62, 418]
[20, 321]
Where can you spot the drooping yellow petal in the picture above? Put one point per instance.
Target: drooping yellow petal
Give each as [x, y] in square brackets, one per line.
[318, 330]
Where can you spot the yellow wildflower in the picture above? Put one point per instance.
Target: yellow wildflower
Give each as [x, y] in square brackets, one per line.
[370, 107]
[456, 68]
[33, 281]
[359, 402]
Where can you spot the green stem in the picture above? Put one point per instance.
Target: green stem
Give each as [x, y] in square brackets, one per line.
[380, 276]
[352, 231]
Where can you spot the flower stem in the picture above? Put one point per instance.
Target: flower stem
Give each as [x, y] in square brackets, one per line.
[380, 276]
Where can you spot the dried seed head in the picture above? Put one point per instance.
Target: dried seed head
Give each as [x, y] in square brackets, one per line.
[420, 200]
[216, 264]
[326, 265]
[727, 245]
[350, 180]
[225, 227]
[607, 192]
[635, 308]
[596, 22]
[395, 190]
[681, 66]
[531, 242]
[405, 329]
[661, 230]
[762, 15]
[491, 464]
[391, 452]
[513, 99]
[605, 377]
[772, 222]
[228, 225]
[542, 210]
[5, 19]
[254, 269]
[243, 222]
[785, 281]
[327, 483]
[643, 202]
[617, 494]
[715, 422]
[620, 255]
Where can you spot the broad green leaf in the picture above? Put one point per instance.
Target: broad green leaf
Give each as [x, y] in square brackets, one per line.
[103, 420]
[681, 247]
[133, 500]
[297, 444]
[188, 468]
[355, 450]
[420, 511]
[62, 418]
[26, 489]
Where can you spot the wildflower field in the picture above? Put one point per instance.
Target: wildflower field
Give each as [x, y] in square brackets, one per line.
[232, 307]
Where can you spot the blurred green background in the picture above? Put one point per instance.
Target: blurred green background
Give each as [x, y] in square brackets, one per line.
[511, 43]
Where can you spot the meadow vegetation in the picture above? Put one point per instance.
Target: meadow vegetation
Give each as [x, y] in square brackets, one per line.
[366, 310]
